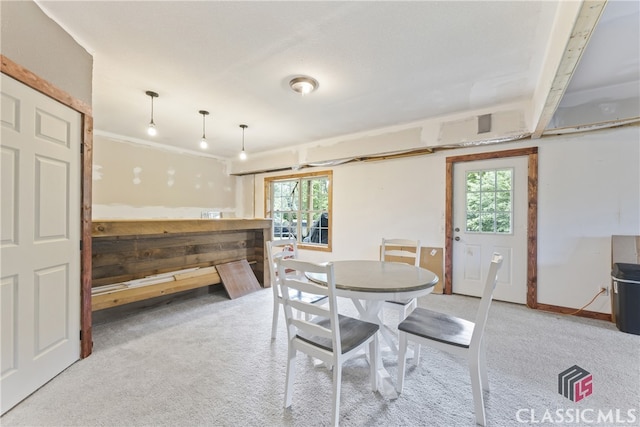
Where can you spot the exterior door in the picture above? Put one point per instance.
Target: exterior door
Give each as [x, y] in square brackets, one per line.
[40, 238]
[490, 215]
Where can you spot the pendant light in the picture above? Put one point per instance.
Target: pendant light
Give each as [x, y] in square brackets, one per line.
[243, 154]
[203, 141]
[151, 129]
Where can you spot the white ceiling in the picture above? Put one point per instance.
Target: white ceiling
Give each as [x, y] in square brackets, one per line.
[379, 64]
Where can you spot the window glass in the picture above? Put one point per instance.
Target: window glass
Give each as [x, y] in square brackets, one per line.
[489, 201]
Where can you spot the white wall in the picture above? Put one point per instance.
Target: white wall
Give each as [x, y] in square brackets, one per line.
[589, 189]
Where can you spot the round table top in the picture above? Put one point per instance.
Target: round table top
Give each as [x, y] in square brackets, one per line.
[380, 277]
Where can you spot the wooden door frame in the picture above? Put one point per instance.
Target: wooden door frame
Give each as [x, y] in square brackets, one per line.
[532, 229]
[532, 216]
[30, 79]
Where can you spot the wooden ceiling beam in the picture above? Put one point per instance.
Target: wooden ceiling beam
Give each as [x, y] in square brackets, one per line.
[586, 21]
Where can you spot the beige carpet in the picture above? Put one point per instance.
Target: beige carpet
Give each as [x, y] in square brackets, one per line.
[207, 360]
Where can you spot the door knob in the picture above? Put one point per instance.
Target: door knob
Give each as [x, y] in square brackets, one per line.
[457, 238]
[456, 229]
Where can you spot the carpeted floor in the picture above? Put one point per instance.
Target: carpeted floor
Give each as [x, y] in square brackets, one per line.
[208, 360]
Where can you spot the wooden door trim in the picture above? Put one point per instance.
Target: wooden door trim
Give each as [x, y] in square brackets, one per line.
[532, 216]
[33, 81]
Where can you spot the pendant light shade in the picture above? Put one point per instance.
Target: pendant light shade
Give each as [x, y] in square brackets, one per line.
[151, 129]
[203, 141]
[243, 154]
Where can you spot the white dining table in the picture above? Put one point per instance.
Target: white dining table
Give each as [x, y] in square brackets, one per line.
[368, 284]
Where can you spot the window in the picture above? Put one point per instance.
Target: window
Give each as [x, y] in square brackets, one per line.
[489, 201]
[300, 206]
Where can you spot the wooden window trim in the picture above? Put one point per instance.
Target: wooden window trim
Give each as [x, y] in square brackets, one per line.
[267, 201]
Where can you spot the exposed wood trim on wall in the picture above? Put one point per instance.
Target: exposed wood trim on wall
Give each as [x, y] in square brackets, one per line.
[86, 322]
[448, 228]
[532, 230]
[31, 80]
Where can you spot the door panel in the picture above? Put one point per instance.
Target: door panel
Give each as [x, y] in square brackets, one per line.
[40, 241]
[472, 250]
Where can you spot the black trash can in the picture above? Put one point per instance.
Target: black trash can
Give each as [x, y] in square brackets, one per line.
[626, 297]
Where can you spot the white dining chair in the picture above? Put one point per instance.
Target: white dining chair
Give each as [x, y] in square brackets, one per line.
[401, 250]
[454, 335]
[279, 249]
[323, 334]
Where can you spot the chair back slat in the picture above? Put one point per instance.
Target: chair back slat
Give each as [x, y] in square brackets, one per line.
[303, 285]
[401, 250]
[309, 307]
[311, 328]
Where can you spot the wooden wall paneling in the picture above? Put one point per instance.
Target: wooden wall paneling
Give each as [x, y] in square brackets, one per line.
[149, 247]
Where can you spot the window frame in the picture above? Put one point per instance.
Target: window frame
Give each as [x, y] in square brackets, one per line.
[300, 176]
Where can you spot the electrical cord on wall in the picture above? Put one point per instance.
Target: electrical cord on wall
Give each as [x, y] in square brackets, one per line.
[587, 304]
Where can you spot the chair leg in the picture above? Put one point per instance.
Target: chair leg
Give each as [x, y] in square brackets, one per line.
[337, 379]
[291, 373]
[410, 307]
[373, 363]
[476, 389]
[416, 353]
[484, 379]
[274, 322]
[402, 354]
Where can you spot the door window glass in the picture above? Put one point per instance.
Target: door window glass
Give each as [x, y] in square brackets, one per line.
[489, 195]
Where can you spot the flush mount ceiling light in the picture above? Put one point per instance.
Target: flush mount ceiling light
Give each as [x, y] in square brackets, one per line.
[243, 154]
[151, 129]
[203, 141]
[303, 85]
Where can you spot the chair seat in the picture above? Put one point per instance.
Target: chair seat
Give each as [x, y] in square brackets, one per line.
[353, 332]
[438, 327]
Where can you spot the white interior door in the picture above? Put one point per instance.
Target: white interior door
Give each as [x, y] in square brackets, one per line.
[490, 215]
[40, 235]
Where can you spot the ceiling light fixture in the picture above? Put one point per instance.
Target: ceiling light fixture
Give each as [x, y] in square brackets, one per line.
[203, 141]
[243, 154]
[151, 129]
[303, 85]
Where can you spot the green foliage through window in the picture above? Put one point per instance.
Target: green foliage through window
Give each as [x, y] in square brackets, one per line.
[489, 195]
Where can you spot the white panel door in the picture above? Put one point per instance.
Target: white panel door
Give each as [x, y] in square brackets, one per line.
[39, 248]
[490, 218]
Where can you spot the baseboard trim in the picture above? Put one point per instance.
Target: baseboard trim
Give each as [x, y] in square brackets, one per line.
[569, 310]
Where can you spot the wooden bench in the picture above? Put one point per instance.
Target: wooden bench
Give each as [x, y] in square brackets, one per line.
[126, 252]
